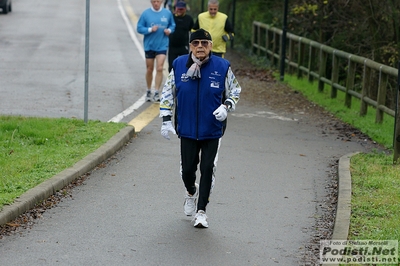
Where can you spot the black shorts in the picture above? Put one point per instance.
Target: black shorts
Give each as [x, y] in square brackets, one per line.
[152, 54]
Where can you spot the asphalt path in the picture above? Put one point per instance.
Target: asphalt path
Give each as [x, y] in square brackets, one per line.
[271, 176]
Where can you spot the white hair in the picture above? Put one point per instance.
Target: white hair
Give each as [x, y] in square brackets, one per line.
[213, 2]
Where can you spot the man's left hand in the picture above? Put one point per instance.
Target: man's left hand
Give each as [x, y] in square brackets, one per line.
[221, 113]
[166, 128]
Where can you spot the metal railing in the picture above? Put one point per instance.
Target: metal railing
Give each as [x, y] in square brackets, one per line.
[371, 82]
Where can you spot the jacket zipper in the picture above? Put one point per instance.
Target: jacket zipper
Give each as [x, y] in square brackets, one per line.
[197, 109]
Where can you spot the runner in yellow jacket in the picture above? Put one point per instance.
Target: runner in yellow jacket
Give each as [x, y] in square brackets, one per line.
[218, 25]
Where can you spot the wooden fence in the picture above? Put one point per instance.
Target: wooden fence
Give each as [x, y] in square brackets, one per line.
[374, 84]
[352, 74]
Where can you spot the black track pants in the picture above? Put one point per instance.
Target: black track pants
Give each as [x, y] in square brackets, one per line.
[191, 150]
[173, 53]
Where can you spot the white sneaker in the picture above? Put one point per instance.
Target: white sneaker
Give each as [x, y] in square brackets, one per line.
[156, 96]
[148, 96]
[190, 204]
[200, 220]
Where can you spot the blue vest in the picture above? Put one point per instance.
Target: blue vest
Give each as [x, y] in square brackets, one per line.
[197, 99]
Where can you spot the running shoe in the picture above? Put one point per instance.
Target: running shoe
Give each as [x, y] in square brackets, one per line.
[190, 204]
[156, 96]
[200, 220]
[148, 96]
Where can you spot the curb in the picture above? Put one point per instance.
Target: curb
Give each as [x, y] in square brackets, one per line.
[44, 190]
[343, 209]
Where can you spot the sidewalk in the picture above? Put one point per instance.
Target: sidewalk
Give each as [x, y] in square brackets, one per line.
[271, 178]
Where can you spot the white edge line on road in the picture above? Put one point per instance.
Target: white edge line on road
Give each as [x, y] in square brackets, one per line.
[129, 110]
[129, 26]
[141, 101]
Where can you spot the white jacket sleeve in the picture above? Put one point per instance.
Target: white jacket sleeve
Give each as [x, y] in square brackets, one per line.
[168, 96]
[233, 90]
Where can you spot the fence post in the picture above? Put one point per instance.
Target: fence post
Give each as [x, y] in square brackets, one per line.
[366, 83]
[381, 98]
[267, 42]
[322, 68]
[300, 59]
[335, 74]
[253, 39]
[311, 58]
[274, 45]
[291, 54]
[258, 39]
[351, 73]
[396, 136]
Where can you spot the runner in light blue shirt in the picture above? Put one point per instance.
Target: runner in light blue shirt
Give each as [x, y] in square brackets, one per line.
[155, 23]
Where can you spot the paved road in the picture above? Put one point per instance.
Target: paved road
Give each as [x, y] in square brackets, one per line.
[270, 182]
[271, 179]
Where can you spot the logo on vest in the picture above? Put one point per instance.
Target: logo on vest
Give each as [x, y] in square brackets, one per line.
[184, 77]
[214, 84]
[215, 73]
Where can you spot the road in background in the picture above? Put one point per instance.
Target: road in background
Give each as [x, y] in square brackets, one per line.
[43, 54]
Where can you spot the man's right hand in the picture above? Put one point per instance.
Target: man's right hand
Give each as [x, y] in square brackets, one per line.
[166, 128]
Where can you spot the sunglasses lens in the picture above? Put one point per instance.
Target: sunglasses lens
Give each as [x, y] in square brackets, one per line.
[203, 43]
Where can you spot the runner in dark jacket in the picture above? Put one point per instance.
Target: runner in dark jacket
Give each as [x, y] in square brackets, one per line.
[179, 40]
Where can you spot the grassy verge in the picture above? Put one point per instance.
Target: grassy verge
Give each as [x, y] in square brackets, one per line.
[381, 133]
[35, 149]
[376, 198]
[375, 202]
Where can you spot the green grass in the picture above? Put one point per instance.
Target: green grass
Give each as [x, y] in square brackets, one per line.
[376, 197]
[375, 203]
[35, 149]
[381, 133]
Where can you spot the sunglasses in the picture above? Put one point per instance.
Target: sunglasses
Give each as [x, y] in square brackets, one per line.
[204, 43]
